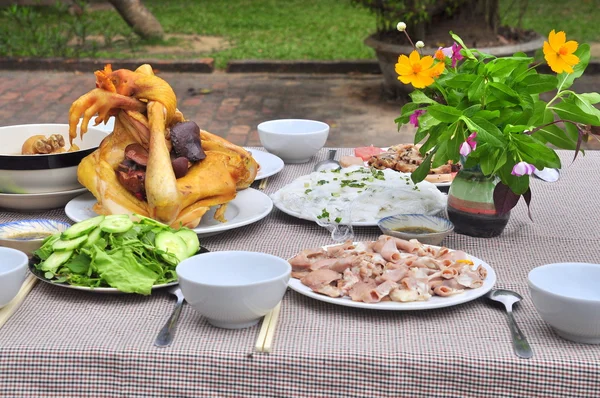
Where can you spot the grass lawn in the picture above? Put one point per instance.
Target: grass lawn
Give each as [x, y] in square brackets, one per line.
[293, 29]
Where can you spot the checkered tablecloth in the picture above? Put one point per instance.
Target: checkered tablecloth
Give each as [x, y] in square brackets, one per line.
[65, 343]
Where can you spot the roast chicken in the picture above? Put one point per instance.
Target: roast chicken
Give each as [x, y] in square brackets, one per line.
[141, 168]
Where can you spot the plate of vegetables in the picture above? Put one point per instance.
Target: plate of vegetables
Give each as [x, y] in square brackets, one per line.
[111, 254]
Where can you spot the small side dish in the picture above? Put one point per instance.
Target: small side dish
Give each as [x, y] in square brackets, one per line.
[28, 235]
[114, 251]
[388, 269]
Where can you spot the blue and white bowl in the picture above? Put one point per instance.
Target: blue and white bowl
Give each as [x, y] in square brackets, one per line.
[28, 235]
[393, 226]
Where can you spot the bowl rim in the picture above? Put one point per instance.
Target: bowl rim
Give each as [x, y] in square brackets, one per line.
[55, 222]
[324, 127]
[50, 161]
[533, 286]
[19, 253]
[238, 252]
[431, 234]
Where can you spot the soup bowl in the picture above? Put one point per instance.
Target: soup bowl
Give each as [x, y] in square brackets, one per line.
[42, 173]
[293, 140]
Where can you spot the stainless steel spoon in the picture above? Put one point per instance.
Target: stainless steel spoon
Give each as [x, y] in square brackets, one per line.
[508, 298]
[167, 333]
[329, 163]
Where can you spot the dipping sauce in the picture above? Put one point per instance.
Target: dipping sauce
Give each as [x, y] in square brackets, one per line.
[415, 230]
[29, 235]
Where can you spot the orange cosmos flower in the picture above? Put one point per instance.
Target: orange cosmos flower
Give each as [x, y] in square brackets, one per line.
[558, 52]
[439, 55]
[415, 70]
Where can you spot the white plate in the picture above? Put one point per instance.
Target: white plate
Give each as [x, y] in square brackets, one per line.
[432, 303]
[292, 213]
[38, 201]
[249, 206]
[269, 163]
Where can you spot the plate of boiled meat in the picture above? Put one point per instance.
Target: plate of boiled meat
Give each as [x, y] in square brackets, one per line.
[390, 274]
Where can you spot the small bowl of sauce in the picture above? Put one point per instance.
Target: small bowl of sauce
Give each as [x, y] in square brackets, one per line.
[28, 235]
[429, 230]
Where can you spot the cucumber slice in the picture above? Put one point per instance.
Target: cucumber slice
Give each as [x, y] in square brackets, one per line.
[93, 237]
[116, 224]
[82, 228]
[55, 260]
[149, 221]
[191, 241]
[169, 242]
[68, 245]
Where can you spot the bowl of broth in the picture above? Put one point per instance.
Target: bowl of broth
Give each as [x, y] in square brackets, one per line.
[28, 235]
[430, 230]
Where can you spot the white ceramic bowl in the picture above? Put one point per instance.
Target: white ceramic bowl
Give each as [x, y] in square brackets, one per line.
[27, 174]
[293, 140]
[403, 226]
[13, 269]
[28, 235]
[233, 289]
[567, 297]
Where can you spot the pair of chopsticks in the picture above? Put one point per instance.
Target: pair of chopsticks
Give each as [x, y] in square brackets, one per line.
[267, 330]
[9, 309]
[263, 184]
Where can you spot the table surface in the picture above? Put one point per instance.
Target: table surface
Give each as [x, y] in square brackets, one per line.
[66, 343]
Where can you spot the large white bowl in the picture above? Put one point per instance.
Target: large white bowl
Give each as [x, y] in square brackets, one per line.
[28, 174]
[233, 289]
[293, 140]
[567, 297]
[13, 269]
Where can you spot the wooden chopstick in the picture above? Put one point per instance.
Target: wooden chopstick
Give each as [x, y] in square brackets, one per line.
[263, 184]
[9, 309]
[260, 341]
[272, 326]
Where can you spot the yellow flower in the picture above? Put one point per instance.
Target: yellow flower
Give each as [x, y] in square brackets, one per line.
[415, 70]
[437, 69]
[559, 52]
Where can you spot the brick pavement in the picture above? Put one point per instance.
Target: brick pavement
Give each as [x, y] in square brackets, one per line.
[232, 105]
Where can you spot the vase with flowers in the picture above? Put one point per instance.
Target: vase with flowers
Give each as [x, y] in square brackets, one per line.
[489, 113]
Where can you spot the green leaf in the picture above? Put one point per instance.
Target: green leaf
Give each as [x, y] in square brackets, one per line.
[461, 81]
[503, 92]
[534, 152]
[426, 121]
[509, 128]
[468, 53]
[586, 105]
[555, 136]
[444, 113]
[518, 185]
[486, 131]
[535, 84]
[592, 98]
[419, 97]
[470, 111]
[405, 113]
[488, 163]
[488, 115]
[476, 89]
[565, 80]
[423, 170]
[571, 111]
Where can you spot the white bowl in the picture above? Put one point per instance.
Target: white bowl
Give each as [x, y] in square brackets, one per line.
[27, 174]
[567, 297]
[13, 269]
[293, 140]
[233, 289]
[28, 235]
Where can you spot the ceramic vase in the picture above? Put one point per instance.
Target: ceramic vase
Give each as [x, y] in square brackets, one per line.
[471, 204]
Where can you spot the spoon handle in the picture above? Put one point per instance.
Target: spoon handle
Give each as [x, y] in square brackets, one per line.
[332, 153]
[167, 333]
[520, 344]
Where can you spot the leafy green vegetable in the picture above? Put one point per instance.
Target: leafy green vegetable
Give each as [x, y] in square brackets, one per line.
[128, 261]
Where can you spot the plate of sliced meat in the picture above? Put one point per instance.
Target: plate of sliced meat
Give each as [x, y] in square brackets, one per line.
[404, 158]
[390, 274]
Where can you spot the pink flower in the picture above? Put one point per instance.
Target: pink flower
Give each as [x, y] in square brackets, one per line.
[469, 145]
[414, 118]
[453, 52]
[522, 168]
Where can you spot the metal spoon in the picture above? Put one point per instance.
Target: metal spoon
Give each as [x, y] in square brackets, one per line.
[329, 163]
[547, 174]
[508, 298]
[167, 333]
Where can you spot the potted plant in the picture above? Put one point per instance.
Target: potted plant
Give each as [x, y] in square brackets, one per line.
[489, 113]
[430, 20]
